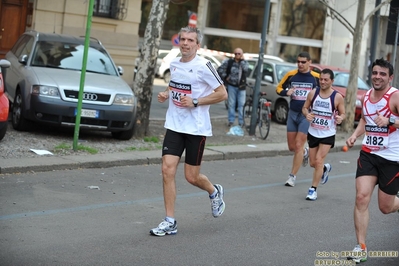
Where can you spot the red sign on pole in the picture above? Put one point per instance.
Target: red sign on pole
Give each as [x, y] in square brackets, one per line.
[192, 20]
[347, 49]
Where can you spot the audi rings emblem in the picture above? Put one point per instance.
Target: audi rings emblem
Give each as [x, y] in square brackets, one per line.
[90, 96]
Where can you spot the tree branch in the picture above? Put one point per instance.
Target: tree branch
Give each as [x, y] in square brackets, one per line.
[386, 2]
[340, 18]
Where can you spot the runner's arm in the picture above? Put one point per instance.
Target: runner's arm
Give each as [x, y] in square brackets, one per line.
[307, 105]
[340, 106]
[218, 95]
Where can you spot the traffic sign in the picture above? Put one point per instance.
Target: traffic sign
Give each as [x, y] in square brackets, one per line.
[175, 40]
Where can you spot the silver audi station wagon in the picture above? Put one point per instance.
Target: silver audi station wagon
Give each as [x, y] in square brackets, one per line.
[43, 81]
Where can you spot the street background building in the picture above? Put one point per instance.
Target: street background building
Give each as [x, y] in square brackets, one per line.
[293, 26]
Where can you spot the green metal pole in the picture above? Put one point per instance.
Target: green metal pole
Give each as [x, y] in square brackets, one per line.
[259, 77]
[83, 75]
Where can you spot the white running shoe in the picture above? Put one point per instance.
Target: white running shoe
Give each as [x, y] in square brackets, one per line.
[164, 228]
[324, 177]
[290, 181]
[312, 194]
[358, 254]
[217, 202]
[305, 160]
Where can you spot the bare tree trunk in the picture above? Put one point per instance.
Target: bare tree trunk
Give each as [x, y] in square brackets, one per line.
[146, 69]
[351, 92]
[350, 98]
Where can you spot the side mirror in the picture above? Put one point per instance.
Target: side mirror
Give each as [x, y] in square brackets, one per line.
[120, 70]
[268, 78]
[4, 63]
[23, 59]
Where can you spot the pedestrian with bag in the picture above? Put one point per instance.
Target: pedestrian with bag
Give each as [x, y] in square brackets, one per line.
[193, 87]
[324, 109]
[234, 73]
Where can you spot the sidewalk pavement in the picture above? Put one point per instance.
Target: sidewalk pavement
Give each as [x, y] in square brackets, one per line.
[211, 153]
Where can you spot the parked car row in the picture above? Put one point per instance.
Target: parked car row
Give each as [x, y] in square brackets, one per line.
[272, 73]
[164, 68]
[43, 85]
[43, 78]
[161, 55]
[250, 56]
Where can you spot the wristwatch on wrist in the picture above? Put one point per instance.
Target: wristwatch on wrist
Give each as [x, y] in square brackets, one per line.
[391, 121]
[195, 102]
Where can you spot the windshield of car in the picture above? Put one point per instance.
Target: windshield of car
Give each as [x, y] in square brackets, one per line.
[341, 79]
[281, 70]
[54, 54]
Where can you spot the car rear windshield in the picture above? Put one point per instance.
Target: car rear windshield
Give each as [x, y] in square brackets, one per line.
[341, 79]
[70, 56]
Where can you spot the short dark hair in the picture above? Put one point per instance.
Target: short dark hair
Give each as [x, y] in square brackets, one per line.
[383, 63]
[328, 71]
[304, 54]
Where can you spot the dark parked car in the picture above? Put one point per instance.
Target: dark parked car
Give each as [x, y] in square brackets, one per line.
[44, 79]
[4, 104]
[272, 72]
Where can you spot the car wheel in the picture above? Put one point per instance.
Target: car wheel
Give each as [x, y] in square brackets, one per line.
[166, 77]
[124, 135]
[281, 112]
[3, 129]
[18, 120]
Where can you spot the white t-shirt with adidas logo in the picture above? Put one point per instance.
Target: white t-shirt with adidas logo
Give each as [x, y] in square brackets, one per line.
[197, 78]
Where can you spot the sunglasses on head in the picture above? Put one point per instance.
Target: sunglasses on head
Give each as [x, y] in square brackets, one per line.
[302, 62]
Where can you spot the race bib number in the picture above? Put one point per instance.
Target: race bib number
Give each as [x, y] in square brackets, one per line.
[376, 138]
[322, 120]
[177, 90]
[301, 90]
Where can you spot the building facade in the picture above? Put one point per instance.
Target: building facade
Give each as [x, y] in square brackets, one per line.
[293, 26]
[114, 22]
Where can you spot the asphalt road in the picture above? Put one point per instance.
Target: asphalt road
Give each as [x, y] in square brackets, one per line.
[53, 218]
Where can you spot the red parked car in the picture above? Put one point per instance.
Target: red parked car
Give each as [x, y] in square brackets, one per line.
[340, 84]
[4, 104]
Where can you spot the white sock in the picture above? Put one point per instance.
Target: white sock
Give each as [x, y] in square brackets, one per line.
[170, 219]
[213, 195]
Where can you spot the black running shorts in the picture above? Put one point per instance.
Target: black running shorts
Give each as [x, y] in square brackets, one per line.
[175, 143]
[387, 172]
[313, 142]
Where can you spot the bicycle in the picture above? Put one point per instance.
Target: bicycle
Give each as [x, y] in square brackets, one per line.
[264, 114]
